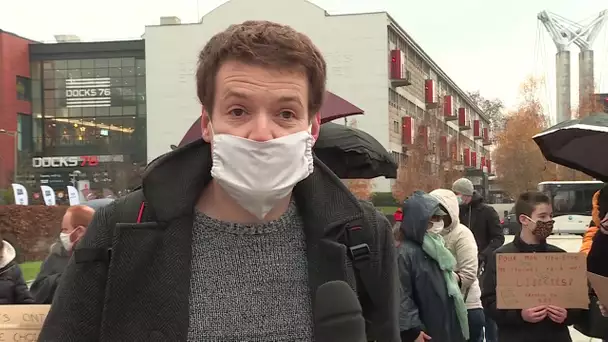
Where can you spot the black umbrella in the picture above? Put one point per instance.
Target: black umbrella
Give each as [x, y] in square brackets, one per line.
[578, 144]
[351, 153]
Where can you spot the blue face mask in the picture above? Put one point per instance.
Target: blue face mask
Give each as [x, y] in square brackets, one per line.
[459, 200]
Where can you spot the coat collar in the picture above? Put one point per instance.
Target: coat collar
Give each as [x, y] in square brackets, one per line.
[173, 183]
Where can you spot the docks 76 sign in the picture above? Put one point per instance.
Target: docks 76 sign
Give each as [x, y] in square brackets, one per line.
[88, 92]
[74, 161]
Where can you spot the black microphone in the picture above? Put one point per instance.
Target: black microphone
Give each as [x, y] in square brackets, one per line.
[338, 314]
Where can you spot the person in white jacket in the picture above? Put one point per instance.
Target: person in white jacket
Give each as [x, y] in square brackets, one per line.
[460, 241]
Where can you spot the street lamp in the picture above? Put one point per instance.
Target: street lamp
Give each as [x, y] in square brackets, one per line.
[16, 137]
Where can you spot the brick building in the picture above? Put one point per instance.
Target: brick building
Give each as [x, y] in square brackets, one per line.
[15, 102]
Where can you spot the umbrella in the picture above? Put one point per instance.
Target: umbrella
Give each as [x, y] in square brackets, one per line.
[571, 144]
[334, 107]
[352, 153]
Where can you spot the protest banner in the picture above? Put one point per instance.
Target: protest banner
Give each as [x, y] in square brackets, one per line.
[21, 322]
[600, 286]
[526, 280]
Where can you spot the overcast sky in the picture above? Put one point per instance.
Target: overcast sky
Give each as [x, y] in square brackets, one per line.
[485, 45]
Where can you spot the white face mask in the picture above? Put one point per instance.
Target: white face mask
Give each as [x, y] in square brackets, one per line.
[66, 241]
[436, 228]
[257, 174]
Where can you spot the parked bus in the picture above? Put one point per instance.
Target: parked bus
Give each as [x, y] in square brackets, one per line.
[571, 202]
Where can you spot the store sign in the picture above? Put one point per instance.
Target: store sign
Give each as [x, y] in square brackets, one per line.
[75, 161]
[45, 162]
[88, 92]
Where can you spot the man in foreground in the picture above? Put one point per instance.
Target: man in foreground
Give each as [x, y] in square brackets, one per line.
[231, 235]
[73, 226]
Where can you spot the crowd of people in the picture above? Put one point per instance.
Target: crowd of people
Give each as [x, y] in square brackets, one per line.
[441, 269]
[13, 288]
[447, 286]
[229, 237]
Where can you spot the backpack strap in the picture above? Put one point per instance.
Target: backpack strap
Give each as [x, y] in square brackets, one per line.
[358, 236]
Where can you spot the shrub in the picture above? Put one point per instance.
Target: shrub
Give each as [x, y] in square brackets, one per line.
[384, 199]
[31, 229]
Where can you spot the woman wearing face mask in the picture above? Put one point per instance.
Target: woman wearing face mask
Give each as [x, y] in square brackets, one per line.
[432, 305]
[461, 243]
[542, 323]
[13, 289]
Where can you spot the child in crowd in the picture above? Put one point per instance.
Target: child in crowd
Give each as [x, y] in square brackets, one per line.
[543, 323]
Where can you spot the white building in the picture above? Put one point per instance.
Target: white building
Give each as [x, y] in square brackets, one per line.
[358, 50]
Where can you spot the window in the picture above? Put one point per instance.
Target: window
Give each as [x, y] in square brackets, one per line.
[395, 126]
[24, 132]
[573, 201]
[89, 102]
[24, 88]
[396, 156]
[140, 67]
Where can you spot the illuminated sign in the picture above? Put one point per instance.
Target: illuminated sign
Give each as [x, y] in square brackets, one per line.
[74, 161]
[88, 92]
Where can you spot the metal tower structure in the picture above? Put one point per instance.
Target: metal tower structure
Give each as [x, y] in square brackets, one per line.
[564, 33]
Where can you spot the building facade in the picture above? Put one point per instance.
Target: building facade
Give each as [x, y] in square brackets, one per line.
[88, 122]
[371, 61]
[15, 103]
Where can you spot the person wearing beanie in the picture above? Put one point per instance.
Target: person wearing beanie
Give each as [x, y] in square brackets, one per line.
[484, 222]
[481, 218]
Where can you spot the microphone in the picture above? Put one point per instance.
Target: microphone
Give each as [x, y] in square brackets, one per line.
[338, 314]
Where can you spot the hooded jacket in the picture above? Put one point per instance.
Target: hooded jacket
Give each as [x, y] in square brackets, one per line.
[593, 225]
[425, 304]
[13, 289]
[460, 241]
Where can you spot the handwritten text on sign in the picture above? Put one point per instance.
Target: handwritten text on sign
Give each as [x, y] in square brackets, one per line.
[526, 280]
[21, 322]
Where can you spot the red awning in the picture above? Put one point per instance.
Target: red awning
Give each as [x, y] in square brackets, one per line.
[334, 107]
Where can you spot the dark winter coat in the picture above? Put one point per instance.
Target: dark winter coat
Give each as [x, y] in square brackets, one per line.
[141, 291]
[43, 288]
[511, 326]
[425, 303]
[484, 222]
[13, 289]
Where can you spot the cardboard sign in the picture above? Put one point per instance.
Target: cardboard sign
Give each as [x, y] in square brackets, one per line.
[525, 280]
[21, 322]
[600, 286]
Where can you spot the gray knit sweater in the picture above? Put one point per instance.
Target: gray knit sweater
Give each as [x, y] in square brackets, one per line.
[250, 282]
